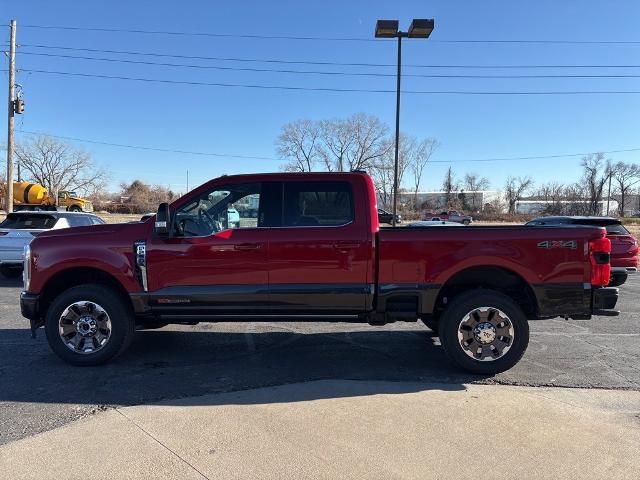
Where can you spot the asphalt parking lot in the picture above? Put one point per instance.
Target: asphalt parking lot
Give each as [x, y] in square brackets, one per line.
[39, 392]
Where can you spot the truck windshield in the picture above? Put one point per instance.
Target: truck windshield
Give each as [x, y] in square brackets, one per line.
[28, 221]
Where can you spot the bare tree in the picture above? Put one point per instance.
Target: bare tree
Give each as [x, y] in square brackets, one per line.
[449, 186]
[370, 141]
[140, 197]
[57, 166]
[514, 190]
[552, 194]
[298, 143]
[595, 173]
[626, 176]
[472, 184]
[337, 140]
[382, 175]
[354, 143]
[577, 200]
[423, 153]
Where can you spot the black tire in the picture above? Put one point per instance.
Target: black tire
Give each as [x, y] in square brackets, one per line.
[467, 302]
[10, 272]
[466, 222]
[617, 279]
[75, 208]
[120, 314]
[431, 324]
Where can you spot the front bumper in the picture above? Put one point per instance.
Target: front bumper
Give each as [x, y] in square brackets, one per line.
[29, 303]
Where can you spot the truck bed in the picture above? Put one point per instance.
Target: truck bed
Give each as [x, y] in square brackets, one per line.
[552, 261]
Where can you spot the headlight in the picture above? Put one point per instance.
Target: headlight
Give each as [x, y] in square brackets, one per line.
[26, 270]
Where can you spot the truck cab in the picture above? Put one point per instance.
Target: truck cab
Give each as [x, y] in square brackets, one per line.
[72, 202]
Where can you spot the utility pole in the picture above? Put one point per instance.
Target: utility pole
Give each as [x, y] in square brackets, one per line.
[8, 207]
[609, 194]
[187, 181]
[397, 146]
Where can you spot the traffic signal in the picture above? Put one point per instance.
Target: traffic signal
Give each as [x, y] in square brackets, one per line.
[18, 106]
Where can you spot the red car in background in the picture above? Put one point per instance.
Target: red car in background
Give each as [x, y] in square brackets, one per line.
[624, 246]
[449, 216]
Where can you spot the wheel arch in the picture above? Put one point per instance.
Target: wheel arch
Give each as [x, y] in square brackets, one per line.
[75, 276]
[489, 277]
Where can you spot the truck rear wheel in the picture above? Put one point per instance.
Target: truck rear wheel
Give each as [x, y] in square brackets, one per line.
[75, 208]
[89, 325]
[484, 331]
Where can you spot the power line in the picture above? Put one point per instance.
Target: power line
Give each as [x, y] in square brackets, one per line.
[315, 72]
[303, 62]
[154, 149]
[250, 157]
[543, 157]
[328, 89]
[340, 39]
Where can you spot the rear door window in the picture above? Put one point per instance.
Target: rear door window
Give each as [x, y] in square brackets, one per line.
[317, 204]
[28, 221]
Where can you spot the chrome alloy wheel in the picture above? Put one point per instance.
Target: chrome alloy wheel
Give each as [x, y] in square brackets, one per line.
[486, 334]
[84, 327]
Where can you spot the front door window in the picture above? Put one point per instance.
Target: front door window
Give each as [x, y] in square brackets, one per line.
[222, 208]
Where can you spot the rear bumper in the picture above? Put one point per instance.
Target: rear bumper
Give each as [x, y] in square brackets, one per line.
[628, 261]
[604, 301]
[624, 270]
[574, 300]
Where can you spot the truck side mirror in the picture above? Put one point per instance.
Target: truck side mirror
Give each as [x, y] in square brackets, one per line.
[163, 220]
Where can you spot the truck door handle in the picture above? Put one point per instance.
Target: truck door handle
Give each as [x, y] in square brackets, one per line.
[246, 246]
[344, 246]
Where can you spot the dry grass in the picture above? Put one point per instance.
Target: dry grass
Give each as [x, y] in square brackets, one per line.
[118, 217]
[634, 229]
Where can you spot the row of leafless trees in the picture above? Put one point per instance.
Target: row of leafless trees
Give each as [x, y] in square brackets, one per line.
[600, 179]
[359, 142]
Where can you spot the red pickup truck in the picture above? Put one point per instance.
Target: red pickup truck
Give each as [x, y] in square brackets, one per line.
[313, 252]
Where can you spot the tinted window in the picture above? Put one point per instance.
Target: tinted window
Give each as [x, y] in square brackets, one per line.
[97, 221]
[617, 229]
[78, 220]
[311, 204]
[224, 207]
[534, 223]
[22, 220]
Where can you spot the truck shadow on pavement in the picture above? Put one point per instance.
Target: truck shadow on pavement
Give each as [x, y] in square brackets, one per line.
[166, 364]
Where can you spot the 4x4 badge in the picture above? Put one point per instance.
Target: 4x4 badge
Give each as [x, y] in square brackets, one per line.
[572, 244]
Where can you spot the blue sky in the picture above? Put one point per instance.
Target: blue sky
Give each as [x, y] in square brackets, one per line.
[246, 122]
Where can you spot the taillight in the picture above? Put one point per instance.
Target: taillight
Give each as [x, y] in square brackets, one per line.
[600, 256]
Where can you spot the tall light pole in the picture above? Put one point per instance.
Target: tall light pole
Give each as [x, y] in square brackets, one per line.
[419, 28]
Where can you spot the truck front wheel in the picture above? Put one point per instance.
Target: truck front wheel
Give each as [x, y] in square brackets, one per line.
[484, 332]
[89, 325]
[75, 208]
